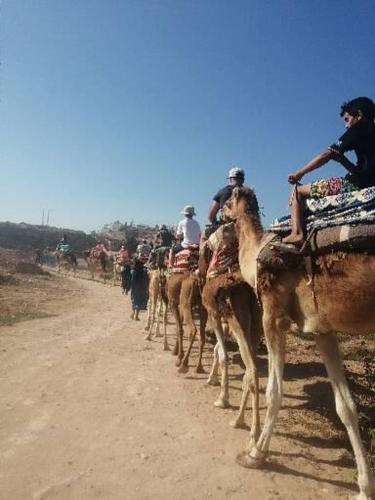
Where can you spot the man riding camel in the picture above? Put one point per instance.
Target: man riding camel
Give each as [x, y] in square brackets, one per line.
[143, 251]
[358, 115]
[188, 233]
[236, 177]
[63, 246]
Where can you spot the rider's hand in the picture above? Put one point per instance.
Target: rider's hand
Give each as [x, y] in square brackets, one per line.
[294, 178]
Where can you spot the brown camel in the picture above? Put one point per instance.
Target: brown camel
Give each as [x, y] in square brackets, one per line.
[340, 299]
[66, 261]
[98, 263]
[157, 297]
[184, 295]
[228, 298]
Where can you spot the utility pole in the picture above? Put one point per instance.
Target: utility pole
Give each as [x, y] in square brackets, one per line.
[49, 211]
[43, 217]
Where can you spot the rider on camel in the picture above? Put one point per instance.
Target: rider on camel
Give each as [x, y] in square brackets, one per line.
[236, 178]
[358, 115]
[143, 251]
[63, 246]
[188, 233]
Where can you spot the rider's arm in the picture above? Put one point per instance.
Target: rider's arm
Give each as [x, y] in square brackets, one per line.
[315, 163]
[215, 207]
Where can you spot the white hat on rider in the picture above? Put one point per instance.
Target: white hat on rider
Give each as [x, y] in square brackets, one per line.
[236, 172]
[188, 210]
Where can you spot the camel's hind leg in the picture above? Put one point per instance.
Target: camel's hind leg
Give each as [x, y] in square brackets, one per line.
[202, 337]
[188, 294]
[242, 327]
[165, 322]
[346, 410]
[158, 315]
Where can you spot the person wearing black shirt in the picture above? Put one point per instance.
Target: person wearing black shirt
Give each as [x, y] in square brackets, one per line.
[236, 177]
[358, 115]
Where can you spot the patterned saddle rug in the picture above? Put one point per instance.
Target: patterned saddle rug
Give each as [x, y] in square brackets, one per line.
[186, 260]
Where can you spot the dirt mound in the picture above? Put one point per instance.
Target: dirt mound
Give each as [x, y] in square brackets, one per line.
[29, 268]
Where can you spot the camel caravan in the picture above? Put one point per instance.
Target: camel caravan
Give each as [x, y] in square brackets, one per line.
[311, 274]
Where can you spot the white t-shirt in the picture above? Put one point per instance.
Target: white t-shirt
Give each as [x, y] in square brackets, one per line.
[190, 230]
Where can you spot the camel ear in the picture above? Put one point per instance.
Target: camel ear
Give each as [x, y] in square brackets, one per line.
[236, 192]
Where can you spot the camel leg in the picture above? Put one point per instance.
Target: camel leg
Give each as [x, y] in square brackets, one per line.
[178, 349]
[250, 383]
[202, 337]
[213, 378]
[148, 322]
[188, 296]
[346, 410]
[276, 345]
[158, 315]
[150, 318]
[165, 322]
[189, 320]
[223, 399]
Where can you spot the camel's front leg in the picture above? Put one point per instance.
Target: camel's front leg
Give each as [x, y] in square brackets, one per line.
[346, 410]
[276, 344]
[223, 400]
[213, 378]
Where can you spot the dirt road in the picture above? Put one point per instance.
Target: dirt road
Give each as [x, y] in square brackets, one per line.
[89, 410]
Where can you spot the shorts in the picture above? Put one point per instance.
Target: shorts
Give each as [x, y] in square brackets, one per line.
[331, 187]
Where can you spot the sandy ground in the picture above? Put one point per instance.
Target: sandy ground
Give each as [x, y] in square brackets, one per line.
[90, 410]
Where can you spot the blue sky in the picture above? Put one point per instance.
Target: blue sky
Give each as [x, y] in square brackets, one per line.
[132, 109]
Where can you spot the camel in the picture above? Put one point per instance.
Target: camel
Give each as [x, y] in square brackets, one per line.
[184, 295]
[67, 261]
[97, 262]
[228, 298]
[339, 299]
[157, 296]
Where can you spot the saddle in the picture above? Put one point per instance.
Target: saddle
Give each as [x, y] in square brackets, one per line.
[223, 244]
[186, 260]
[340, 223]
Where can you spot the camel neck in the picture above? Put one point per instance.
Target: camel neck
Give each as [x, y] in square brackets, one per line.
[250, 232]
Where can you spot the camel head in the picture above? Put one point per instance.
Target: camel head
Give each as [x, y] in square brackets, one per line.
[243, 201]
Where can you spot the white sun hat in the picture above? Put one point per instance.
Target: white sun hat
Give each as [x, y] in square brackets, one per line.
[188, 210]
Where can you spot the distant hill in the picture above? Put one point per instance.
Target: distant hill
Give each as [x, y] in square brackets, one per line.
[29, 236]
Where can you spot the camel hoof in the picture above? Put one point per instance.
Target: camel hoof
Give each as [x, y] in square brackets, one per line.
[246, 460]
[146, 328]
[213, 381]
[237, 423]
[178, 362]
[175, 352]
[183, 368]
[158, 334]
[148, 337]
[200, 369]
[221, 403]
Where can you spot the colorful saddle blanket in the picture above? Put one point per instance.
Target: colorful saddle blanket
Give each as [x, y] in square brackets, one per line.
[357, 207]
[186, 260]
[223, 244]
